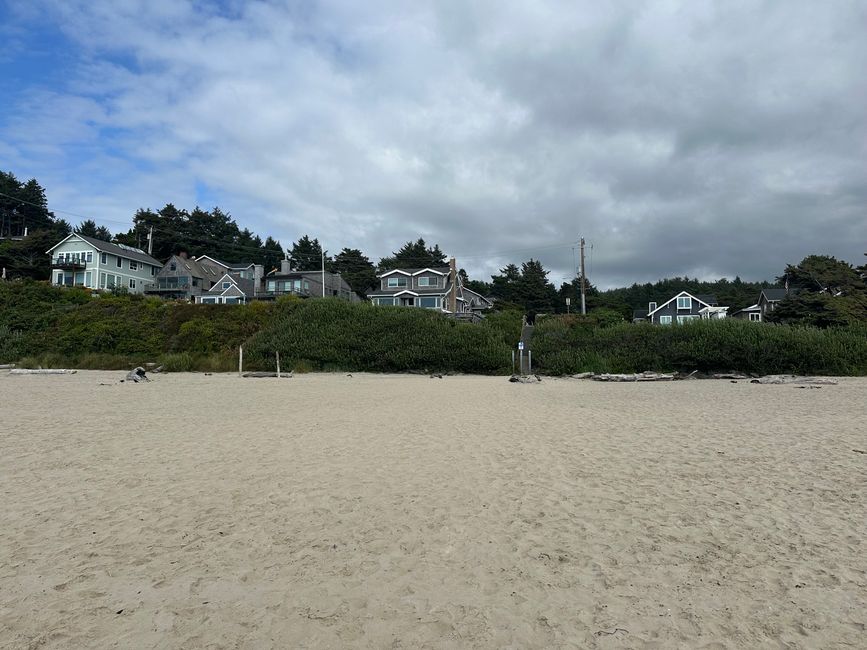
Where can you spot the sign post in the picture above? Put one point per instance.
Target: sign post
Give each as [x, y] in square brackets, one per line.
[521, 353]
[568, 302]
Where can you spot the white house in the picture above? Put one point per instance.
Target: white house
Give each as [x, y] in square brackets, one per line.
[83, 261]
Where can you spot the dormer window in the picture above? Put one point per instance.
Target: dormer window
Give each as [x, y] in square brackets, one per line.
[428, 282]
[396, 282]
[684, 303]
[173, 267]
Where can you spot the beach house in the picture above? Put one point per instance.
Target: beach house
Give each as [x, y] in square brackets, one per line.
[682, 308]
[182, 278]
[82, 261]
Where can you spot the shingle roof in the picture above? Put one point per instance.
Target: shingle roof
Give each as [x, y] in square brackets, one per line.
[441, 269]
[774, 293]
[709, 298]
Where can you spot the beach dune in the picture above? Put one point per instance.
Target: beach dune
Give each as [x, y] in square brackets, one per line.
[329, 510]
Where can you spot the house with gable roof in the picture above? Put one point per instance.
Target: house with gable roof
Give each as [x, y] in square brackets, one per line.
[682, 308]
[182, 278]
[437, 288]
[229, 289]
[82, 261]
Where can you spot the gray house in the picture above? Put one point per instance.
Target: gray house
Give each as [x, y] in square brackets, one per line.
[81, 261]
[751, 313]
[246, 270]
[306, 284]
[229, 289]
[681, 308]
[182, 278]
[430, 288]
[769, 299]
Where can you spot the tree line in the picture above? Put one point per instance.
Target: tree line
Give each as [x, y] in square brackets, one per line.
[824, 291]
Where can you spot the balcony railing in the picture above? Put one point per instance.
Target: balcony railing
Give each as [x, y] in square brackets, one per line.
[73, 263]
[286, 292]
[153, 287]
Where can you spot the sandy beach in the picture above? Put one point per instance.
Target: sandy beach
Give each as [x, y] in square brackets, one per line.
[409, 512]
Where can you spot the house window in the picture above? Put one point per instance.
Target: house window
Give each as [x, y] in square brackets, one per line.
[103, 258]
[119, 262]
[682, 319]
[153, 271]
[132, 283]
[60, 278]
[133, 265]
[665, 320]
[756, 317]
[173, 267]
[427, 301]
[226, 285]
[428, 282]
[385, 301]
[396, 282]
[651, 306]
[88, 277]
[232, 300]
[684, 302]
[209, 301]
[306, 285]
[102, 280]
[88, 256]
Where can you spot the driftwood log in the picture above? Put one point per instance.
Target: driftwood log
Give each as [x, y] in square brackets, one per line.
[283, 375]
[42, 371]
[525, 379]
[136, 375]
[793, 379]
[641, 376]
[7, 366]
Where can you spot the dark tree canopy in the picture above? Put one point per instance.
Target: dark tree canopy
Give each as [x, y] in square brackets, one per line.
[306, 255]
[414, 255]
[24, 209]
[356, 269]
[527, 287]
[88, 228]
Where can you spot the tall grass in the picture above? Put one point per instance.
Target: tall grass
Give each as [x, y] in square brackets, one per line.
[564, 346]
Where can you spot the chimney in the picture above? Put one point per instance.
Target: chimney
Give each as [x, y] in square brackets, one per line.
[258, 275]
[453, 294]
[182, 255]
[285, 265]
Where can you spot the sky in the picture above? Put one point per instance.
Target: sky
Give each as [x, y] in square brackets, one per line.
[697, 138]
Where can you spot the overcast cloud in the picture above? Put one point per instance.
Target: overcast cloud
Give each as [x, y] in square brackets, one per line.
[679, 138]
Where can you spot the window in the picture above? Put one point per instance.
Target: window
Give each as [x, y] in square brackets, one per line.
[88, 277]
[756, 317]
[103, 258]
[173, 267]
[232, 300]
[102, 280]
[209, 301]
[226, 285]
[428, 282]
[153, 271]
[306, 285]
[682, 319]
[428, 301]
[385, 301]
[684, 302]
[132, 283]
[396, 282]
[665, 320]
[133, 265]
[88, 256]
[59, 278]
[110, 281]
[119, 262]
[651, 306]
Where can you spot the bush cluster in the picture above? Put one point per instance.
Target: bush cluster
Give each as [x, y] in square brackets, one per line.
[564, 345]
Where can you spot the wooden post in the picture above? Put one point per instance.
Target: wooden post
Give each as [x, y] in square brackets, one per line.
[530, 362]
[240, 360]
[278, 364]
[513, 362]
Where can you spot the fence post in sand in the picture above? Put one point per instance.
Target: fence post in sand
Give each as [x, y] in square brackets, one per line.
[278, 363]
[240, 360]
[513, 362]
[529, 362]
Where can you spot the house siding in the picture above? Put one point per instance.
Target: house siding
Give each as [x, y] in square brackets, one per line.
[94, 270]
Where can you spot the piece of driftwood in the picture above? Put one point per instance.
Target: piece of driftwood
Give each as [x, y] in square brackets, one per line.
[7, 366]
[136, 375]
[525, 379]
[793, 379]
[641, 376]
[582, 375]
[729, 375]
[42, 371]
[283, 375]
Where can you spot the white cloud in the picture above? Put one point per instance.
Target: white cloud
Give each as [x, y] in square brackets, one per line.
[679, 137]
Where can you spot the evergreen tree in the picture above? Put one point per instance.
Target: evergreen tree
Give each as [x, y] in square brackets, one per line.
[306, 255]
[414, 255]
[356, 269]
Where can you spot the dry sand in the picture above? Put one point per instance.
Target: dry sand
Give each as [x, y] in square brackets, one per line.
[406, 512]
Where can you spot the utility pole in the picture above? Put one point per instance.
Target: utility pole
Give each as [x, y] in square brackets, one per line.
[583, 278]
[151, 241]
[323, 272]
